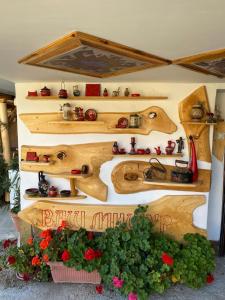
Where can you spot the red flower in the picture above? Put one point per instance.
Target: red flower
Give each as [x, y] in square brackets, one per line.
[64, 224]
[45, 233]
[99, 289]
[90, 235]
[44, 244]
[89, 254]
[45, 258]
[30, 241]
[26, 277]
[209, 278]
[167, 259]
[65, 255]
[11, 260]
[59, 229]
[98, 254]
[35, 261]
[48, 238]
[6, 244]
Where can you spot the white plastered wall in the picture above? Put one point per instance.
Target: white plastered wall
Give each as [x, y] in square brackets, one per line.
[175, 91]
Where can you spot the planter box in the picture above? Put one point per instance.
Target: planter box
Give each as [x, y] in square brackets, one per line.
[61, 273]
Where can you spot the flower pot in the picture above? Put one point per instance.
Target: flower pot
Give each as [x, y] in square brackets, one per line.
[61, 273]
[16, 221]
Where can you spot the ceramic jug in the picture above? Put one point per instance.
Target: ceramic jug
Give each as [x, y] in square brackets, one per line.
[42, 185]
[170, 147]
[158, 150]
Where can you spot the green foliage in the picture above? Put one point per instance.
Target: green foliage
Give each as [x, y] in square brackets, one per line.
[4, 179]
[194, 261]
[23, 261]
[133, 253]
[143, 260]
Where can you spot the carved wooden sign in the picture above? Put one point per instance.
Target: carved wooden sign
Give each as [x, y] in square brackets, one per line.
[170, 214]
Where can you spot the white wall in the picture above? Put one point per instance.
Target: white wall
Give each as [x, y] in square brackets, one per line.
[216, 193]
[175, 92]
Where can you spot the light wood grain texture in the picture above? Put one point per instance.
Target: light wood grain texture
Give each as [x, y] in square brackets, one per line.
[79, 39]
[52, 123]
[200, 131]
[219, 141]
[35, 163]
[172, 184]
[149, 155]
[172, 215]
[78, 197]
[99, 98]
[93, 155]
[123, 186]
[187, 62]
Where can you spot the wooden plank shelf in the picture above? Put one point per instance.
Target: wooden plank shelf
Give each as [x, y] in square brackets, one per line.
[36, 163]
[69, 175]
[198, 123]
[37, 198]
[53, 123]
[76, 122]
[148, 155]
[171, 184]
[98, 98]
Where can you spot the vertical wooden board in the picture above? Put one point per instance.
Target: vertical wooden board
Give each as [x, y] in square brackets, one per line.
[172, 215]
[202, 142]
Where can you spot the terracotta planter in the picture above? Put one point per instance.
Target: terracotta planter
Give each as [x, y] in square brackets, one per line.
[61, 273]
[16, 221]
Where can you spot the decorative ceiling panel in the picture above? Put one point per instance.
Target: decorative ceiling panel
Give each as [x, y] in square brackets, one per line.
[89, 55]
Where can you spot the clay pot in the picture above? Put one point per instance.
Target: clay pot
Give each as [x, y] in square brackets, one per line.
[158, 150]
[45, 92]
[197, 112]
[52, 192]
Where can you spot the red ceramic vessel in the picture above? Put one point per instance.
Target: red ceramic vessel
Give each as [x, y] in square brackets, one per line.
[75, 171]
[140, 151]
[45, 91]
[52, 192]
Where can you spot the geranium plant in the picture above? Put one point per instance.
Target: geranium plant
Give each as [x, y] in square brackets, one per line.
[131, 258]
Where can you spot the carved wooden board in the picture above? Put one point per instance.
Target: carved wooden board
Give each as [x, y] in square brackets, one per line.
[123, 186]
[200, 131]
[106, 123]
[170, 214]
[219, 140]
[93, 155]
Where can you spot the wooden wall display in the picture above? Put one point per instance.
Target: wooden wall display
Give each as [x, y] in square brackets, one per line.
[93, 155]
[123, 186]
[86, 54]
[106, 123]
[219, 141]
[210, 62]
[172, 215]
[200, 131]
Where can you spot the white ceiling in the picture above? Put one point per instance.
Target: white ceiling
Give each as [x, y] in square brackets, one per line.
[168, 28]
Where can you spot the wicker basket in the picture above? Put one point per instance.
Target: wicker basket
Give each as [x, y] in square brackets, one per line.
[61, 273]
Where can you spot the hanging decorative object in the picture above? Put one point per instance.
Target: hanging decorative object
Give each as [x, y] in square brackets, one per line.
[193, 165]
[86, 54]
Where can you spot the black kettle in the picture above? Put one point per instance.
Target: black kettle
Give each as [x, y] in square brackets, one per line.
[43, 185]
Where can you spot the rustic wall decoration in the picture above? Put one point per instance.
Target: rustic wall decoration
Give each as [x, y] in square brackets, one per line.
[106, 123]
[93, 155]
[199, 130]
[170, 214]
[86, 54]
[123, 186]
[210, 63]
